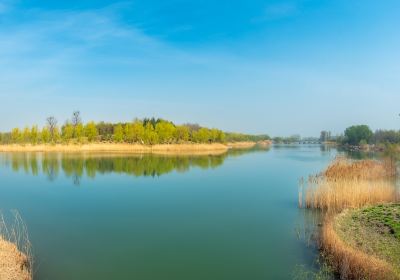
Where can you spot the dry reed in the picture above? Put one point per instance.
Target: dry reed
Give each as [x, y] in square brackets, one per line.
[349, 184]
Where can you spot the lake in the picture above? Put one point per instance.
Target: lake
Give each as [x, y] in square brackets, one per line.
[148, 217]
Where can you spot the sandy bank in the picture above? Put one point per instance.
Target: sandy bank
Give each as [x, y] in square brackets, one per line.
[121, 148]
[241, 145]
[13, 264]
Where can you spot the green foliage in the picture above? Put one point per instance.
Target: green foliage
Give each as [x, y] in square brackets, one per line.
[34, 135]
[26, 135]
[182, 133]
[357, 133]
[150, 137]
[165, 131]
[67, 132]
[91, 131]
[147, 131]
[16, 136]
[239, 137]
[118, 135]
[45, 135]
[79, 131]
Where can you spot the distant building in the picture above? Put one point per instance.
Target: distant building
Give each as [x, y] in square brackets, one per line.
[325, 136]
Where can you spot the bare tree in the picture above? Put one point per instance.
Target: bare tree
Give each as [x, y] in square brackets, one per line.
[52, 125]
[76, 118]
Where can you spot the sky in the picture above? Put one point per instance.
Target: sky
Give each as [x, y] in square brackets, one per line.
[275, 67]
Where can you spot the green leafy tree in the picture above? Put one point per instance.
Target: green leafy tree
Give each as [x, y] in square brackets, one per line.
[34, 134]
[128, 133]
[118, 135]
[16, 135]
[165, 132]
[138, 131]
[79, 131]
[202, 135]
[354, 135]
[26, 135]
[91, 131]
[67, 132]
[150, 137]
[182, 133]
[45, 135]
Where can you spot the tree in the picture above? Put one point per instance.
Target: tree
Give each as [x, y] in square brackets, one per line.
[52, 126]
[26, 135]
[76, 118]
[67, 132]
[165, 131]
[182, 133]
[45, 135]
[138, 131]
[128, 133]
[34, 134]
[202, 136]
[79, 131]
[16, 135]
[355, 134]
[150, 136]
[118, 135]
[91, 131]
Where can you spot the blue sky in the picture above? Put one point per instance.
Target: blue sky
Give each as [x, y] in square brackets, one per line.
[277, 67]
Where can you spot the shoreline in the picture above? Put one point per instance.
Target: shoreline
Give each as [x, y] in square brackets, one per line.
[13, 263]
[196, 149]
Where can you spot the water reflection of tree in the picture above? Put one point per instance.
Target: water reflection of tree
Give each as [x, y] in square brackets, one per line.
[75, 166]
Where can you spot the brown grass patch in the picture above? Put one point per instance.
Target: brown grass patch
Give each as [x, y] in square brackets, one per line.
[241, 145]
[343, 168]
[196, 149]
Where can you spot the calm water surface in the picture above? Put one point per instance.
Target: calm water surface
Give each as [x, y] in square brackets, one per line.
[148, 217]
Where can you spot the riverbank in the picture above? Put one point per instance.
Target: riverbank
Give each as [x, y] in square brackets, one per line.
[197, 149]
[365, 243]
[348, 242]
[14, 265]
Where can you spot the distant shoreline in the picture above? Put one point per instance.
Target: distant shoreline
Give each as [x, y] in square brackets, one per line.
[214, 148]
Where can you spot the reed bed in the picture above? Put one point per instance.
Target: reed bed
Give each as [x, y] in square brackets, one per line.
[343, 168]
[17, 256]
[349, 184]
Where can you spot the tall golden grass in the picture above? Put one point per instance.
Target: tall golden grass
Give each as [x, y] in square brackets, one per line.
[348, 184]
[343, 168]
[351, 263]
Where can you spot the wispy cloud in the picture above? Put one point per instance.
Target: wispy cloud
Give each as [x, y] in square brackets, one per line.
[277, 11]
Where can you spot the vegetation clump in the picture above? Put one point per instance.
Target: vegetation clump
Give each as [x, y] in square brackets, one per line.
[365, 243]
[348, 184]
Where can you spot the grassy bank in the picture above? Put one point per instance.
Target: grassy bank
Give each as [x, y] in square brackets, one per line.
[365, 243]
[353, 241]
[214, 148]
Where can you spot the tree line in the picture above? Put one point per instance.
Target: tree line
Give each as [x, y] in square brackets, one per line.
[147, 131]
[362, 135]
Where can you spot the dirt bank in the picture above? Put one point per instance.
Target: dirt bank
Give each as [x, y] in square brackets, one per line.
[13, 264]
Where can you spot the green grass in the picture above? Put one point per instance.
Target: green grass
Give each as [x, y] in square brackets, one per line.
[373, 230]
